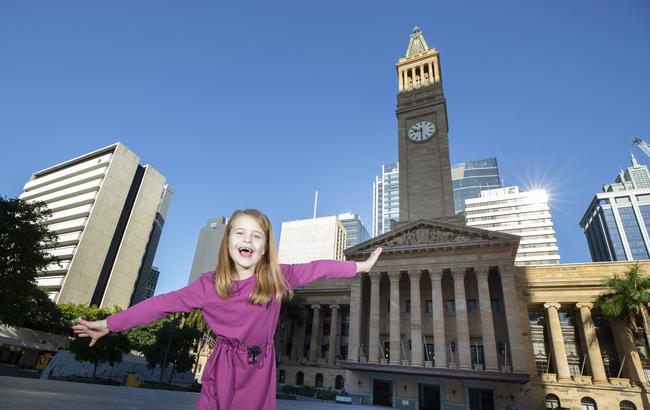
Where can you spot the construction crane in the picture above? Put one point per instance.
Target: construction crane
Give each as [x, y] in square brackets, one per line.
[642, 144]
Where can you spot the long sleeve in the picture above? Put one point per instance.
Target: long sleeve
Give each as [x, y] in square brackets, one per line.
[149, 310]
[304, 273]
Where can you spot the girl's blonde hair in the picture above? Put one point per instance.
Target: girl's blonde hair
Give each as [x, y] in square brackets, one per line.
[269, 278]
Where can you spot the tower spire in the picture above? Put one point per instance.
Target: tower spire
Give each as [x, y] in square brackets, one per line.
[417, 43]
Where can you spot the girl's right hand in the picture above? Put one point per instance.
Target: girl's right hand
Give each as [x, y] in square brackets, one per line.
[92, 329]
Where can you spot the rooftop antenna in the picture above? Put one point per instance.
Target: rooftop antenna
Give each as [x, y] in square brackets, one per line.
[315, 203]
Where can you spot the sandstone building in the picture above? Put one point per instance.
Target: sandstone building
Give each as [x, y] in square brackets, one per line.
[445, 320]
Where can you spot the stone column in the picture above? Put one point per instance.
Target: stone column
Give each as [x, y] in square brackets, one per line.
[436, 70]
[373, 334]
[334, 334]
[395, 339]
[518, 356]
[416, 320]
[437, 305]
[626, 349]
[314, 346]
[401, 80]
[557, 340]
[354, 337]
[591, 340]
[462, 324]
[487, 322]
[431, 79]
[296, 348]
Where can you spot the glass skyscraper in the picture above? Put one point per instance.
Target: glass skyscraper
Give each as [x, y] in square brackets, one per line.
[355, 230]
[471, 177]
[617, 221]
[385, 199]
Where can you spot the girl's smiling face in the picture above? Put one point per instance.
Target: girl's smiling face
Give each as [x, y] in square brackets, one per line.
[246, 243]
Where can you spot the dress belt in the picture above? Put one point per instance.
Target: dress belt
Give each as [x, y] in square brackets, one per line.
[230, 349]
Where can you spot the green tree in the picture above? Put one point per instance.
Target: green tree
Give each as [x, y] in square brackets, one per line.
[109, 349]
[625, 301]
[43, 314]
[172, 346]
[24, 238]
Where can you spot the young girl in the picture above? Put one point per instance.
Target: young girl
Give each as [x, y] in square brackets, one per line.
[241, 304]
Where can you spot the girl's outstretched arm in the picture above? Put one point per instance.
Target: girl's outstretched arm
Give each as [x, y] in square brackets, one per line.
[190, 297]
[304, 273]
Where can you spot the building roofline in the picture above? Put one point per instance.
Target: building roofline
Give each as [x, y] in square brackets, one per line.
[110, 148]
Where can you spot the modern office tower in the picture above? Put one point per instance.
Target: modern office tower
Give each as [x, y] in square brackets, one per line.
[103, 205]
[149, 287]
[385, 199]
[617, 222]
[207, 248]
[305, 240]
[470, 178]
[525, 214]
[355, 230]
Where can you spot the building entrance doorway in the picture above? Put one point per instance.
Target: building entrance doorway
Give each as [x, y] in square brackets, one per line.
[429, 397]
[382, 393]
[481, 399]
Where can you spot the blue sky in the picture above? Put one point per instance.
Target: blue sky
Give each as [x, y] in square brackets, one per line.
[258, 104]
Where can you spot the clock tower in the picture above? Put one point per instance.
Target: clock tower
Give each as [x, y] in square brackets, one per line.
[425, 188]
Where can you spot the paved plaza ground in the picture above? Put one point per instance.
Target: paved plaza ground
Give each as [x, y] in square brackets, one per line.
[24, 393]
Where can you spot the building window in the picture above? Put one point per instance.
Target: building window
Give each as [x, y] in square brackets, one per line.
[300, 378]
[319, 381]
[627, 405]
[477, 354]
[471, 305]
[496, 307]
[407, 306]
[428, 306]
[339, 382]
[283, 375]
[552, 402]
[428, 352]
[588, 403]
[450, 306]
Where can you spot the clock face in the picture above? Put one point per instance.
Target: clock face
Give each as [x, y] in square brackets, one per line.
[421, 131]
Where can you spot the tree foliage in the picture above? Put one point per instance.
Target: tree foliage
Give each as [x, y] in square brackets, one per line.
[625, 299]
[108, 349]
[24, 238]
[180, 345]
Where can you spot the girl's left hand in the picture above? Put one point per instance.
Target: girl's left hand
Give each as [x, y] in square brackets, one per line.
[366, 265]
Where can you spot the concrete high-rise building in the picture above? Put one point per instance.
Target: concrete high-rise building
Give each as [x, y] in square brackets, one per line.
[355, 230]
[617, 222]
[385, 199]
[207, 247]
[525, 214]
[470, 178]
[310, 239]
[104, 206]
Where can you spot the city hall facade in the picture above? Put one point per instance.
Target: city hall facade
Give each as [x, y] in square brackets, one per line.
[445, 320]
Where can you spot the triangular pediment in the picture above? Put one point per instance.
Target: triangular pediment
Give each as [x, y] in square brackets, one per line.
[432, 234]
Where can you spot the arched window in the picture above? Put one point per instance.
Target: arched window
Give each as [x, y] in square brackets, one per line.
[319, 380]
[300, 378]
[552, 402]
[627, 405]
[283, 375]
[588, 404]
[340, 382]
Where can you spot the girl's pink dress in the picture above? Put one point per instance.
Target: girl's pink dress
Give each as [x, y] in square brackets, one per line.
[240, 373]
